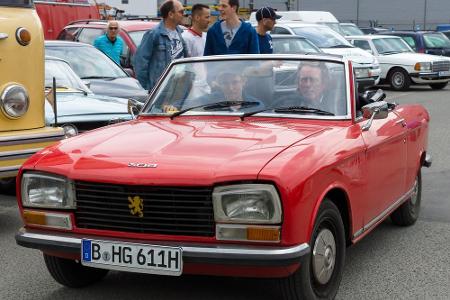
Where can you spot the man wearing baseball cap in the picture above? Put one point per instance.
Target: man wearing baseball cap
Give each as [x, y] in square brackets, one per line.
[266, 18]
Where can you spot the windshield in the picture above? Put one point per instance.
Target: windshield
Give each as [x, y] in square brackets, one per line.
[64, 75]
[350, 29]
[308, 88]
[391, 45]
[137, 36]
[335, 26]
[293, 46]
[87, 62]
[436, 40]
[17, 3]
[322, 37]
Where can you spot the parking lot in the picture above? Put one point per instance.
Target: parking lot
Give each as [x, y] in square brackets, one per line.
[390, 263]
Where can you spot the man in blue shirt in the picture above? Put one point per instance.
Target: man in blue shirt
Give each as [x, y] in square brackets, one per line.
[266, 18]
[110, 43]
[230, 35]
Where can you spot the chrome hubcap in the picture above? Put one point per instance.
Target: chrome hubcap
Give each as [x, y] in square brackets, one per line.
[324, 256]
[398, 79]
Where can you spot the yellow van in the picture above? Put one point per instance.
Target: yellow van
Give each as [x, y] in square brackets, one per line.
[22, 123]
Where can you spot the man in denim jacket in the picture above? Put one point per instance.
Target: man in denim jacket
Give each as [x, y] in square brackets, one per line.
[161, 45]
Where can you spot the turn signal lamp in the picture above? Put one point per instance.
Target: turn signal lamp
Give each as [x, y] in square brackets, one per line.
[250, 233]
[46, 219]
[23, 36]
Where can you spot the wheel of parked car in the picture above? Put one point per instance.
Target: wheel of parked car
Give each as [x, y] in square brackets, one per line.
[438, 86]
[408, 212]
[399, 79]
[71, 273]
[319, 276]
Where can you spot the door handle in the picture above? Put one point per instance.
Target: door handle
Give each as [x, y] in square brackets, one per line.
[3, 36]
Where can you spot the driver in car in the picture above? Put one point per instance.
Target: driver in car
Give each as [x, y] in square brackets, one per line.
[312, 88]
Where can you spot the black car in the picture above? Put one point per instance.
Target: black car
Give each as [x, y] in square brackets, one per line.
[102, 74]
[373, 30]
[429, 42]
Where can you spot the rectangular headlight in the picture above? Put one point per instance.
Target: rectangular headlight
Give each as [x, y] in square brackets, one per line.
[247, 203]
[362, 72]
[47, 191]
[422, 66]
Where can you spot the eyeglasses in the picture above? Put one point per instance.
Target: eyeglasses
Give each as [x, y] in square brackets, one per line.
[113, 28]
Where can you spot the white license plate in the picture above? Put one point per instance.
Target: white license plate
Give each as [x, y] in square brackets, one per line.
[132, 257]
[444, 73]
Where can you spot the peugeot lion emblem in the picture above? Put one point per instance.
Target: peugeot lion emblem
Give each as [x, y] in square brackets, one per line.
[136, 206]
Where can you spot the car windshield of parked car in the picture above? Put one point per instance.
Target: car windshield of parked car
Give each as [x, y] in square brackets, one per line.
[391, 46]
[293, 46]
[87, 62]
[351, 29]
[305, 88]
[136, 36]
[66, 79]
[322, 37]
[436, 40]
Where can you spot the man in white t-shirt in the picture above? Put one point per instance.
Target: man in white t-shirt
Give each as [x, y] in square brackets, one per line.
[195, 37]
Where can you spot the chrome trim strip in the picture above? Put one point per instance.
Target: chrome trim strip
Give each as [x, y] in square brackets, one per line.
[383, 214]
[31, 138]
[193, 251]
[9, 171]
[9, 155]
[64, 4]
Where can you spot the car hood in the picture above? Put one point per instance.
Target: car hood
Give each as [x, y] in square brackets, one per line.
[76, 107]
[410, 58]
[184, 150]
[356, 55]
[123, 87]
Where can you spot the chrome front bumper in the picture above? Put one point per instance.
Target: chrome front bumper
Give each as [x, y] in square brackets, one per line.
[192, 252]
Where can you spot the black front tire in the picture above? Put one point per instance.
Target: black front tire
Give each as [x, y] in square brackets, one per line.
[319, 276]
[71, 273]
[438, 86]
[408, 213]
[399, 79]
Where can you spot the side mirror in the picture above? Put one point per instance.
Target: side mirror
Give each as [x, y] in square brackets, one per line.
[87, 83]
[375, 110]
[134, 107]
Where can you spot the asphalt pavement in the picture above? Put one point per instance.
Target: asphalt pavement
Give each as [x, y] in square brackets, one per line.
[390, 263]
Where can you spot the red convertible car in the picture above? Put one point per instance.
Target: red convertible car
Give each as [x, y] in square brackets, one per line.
[261, 166]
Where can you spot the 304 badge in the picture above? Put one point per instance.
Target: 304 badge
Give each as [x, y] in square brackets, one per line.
[132, 257]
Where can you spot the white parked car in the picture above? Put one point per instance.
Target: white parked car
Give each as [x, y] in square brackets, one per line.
[367, 69]
[401, 66]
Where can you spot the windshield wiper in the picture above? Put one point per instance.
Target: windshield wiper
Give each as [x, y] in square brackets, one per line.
[99, 77]
[302, 109]
[290, 109]
[216, 105]
[341, 46]
[391, 52]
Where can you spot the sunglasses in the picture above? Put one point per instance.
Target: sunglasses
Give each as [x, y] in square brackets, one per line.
[113, 28]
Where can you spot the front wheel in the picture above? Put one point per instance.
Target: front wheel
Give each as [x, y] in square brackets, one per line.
[408, 213]
[438, 86]
[399, 79]
[71, 273]
[320, 275]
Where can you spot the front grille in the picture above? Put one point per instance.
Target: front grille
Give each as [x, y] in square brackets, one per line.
[166, 210]
[441, 65]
